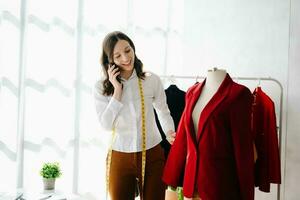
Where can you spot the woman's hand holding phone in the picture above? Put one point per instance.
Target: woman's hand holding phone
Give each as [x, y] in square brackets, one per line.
[113, 74]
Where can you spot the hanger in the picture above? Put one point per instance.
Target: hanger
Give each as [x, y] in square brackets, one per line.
[172, 80]
[258, 85]
[258, 82]
[197, 79]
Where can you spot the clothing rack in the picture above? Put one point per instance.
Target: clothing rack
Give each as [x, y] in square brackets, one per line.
[259, 79]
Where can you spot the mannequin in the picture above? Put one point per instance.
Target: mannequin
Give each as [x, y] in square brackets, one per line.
[213, 81]
[213, 149]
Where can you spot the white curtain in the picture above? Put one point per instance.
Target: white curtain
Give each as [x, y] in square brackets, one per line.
[49, 62]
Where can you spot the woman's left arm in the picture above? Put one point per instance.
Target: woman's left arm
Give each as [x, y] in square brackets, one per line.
[161, 107]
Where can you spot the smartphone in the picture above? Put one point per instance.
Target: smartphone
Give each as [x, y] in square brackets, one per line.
[118, 77]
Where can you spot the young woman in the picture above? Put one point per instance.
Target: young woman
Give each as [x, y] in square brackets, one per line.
[125, 98]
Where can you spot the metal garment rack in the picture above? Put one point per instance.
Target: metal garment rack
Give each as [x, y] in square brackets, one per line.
[279, 127]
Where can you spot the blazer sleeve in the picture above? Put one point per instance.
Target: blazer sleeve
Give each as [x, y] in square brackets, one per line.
[175, 164]
[174, 167]
[274, 158]
[240, 120]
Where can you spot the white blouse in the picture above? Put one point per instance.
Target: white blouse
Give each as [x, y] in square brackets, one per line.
[125, 115]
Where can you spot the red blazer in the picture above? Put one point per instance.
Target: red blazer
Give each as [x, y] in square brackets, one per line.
[267, 166]
[218, 163]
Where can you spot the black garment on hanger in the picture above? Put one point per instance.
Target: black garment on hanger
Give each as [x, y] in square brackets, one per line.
[176, 103]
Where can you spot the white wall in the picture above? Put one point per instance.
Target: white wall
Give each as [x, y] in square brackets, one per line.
[248, 38]
[252, 39]
[293, 107]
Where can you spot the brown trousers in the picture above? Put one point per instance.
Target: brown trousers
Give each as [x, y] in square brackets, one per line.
[126, 167]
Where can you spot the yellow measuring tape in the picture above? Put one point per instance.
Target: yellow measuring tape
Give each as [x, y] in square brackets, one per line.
[108, 163]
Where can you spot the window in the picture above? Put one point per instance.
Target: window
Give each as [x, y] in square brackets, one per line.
[48, 67]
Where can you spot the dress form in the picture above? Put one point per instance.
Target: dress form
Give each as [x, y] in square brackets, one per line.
[213, 81]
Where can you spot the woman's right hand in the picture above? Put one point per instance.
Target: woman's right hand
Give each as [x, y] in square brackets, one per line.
[113, 71]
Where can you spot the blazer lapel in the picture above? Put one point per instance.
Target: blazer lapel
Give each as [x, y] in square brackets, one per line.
[190, 104]
[217, 98]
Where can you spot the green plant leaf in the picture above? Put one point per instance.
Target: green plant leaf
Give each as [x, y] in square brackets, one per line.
[50, 170]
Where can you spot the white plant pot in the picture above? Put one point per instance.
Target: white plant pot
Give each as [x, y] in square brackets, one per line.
[49, 183]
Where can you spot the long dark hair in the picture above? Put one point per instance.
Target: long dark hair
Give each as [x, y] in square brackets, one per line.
[108, 46]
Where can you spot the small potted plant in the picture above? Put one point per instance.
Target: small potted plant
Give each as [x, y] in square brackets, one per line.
[49, 172]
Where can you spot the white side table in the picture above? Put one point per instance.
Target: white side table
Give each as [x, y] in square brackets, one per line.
[47, 195]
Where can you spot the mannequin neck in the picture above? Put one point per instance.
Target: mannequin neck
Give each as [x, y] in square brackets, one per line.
[215, 77]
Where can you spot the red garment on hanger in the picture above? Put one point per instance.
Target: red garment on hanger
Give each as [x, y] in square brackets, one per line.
[218, 163]
[267, 166]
